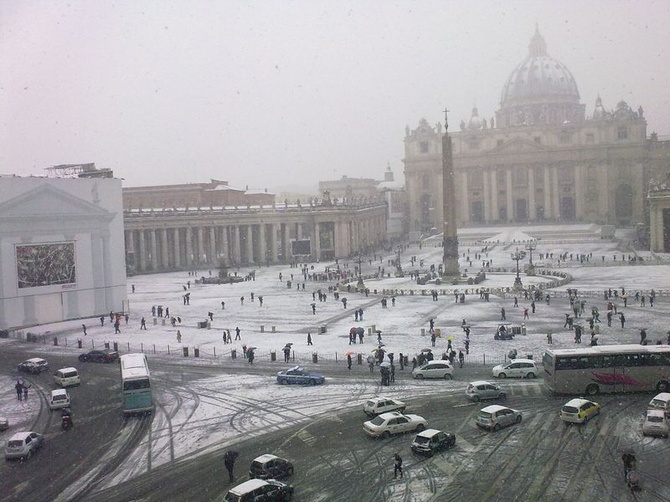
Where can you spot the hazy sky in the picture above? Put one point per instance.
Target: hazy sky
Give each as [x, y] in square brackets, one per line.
[272, 93]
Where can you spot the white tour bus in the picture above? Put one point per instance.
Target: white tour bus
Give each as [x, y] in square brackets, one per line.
[607, 368]
[136, 384]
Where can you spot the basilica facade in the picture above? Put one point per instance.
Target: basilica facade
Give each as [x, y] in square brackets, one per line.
[541, 159]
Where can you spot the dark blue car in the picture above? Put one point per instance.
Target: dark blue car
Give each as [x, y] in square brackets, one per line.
[298, 375]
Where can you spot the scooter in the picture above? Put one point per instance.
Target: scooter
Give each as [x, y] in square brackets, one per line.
[66, 419]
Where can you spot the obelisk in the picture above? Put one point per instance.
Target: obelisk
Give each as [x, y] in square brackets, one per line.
[450, 236]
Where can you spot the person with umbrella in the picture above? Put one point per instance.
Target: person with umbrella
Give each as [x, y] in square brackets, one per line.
[229, 461]
[287, 352]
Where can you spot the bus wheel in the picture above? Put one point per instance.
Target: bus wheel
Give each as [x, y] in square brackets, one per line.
[663, 386]
[592, 389]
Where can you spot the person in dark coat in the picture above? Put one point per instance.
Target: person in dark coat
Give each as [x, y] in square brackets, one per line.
[397, 465]
[229, 461]
[349, 361]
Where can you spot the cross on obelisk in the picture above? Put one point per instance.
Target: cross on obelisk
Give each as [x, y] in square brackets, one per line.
[450, 236]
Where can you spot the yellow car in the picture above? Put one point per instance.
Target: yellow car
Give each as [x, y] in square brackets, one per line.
[579, 411]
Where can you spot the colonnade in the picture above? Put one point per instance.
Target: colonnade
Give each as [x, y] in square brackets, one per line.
[180, 239]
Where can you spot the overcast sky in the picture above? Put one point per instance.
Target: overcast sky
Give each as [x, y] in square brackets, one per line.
[274, 93]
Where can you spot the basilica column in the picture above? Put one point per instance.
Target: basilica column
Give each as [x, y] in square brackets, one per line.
[548, 213]
[273, 243]
[189, 248]
[495, 212]
[176, 244]
[130, 246]
[262, 247]
[142, 250]
[579, 192]
[556, 193]
[224, 245]
[487, 196]
[250, 244]
[286, 242]
[164, 249]
[154, 249]
[237, 245]
[317, 242]
[213, 257]
[532, 213]
[511, 214]
[201, 245]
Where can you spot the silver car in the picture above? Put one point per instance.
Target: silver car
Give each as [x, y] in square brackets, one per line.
[495, 417]
[23, 445]
[481, 390]
[434, 369]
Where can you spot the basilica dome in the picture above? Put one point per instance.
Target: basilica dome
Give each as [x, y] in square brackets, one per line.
[540, 90]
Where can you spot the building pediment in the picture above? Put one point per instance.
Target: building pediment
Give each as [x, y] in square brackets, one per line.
[519, 145]
[50, 202]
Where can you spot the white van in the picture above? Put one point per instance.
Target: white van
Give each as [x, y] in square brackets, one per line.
[660, 402]
[59, 398]
[66, 377]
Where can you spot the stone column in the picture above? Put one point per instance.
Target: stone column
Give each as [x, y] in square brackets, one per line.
[154, 249]
[177, 249]
[165, 257]
[201, 245]
[130, 246]
[548, 213]
[487, 196]
[189, 248]
[286, 242]
[556, 194]
[273, 243]
[532, 213]
[579, 192]
[317, 241]
[262, 248]
[510, 196]
[213, 257]
[495, 211]
[225, 251]
[143, 251]
[237, 247]
[250, 244]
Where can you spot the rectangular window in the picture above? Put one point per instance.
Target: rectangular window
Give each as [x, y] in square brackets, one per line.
[538, 140]
[622, 133]
[423, 147]
[565, 137]
[590, 137]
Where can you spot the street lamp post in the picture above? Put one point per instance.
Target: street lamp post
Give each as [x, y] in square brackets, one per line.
[530, 247]
[518, 256]
[361, 284]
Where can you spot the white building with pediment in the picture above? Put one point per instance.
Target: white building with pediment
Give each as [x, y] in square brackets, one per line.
[62, 250]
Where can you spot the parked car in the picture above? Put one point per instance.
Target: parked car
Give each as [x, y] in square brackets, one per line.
[482, 390]
[434, 369]
[23, 445]
[393, 423]
[254, 490]
[579, 411]
[495, 417]
[58, 399]
[298, 375]
[99, 356]
[655, 424]
[4, 423]
[432, 441]
[34, 365]
[660, 402]
[518, 368]
[270, 466]
[378, 405]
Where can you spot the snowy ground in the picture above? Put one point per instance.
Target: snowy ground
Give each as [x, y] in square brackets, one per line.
[288, 312]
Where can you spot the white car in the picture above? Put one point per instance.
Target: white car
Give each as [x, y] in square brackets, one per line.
[655, 424]
[660, 402]
[23, 444]
[59, 398]
[481, 389]
[393, 423]
[434, 369]
[518, 368]
[378, 405]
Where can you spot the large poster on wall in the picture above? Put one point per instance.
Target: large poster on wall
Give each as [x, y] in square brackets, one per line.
[45, 264]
